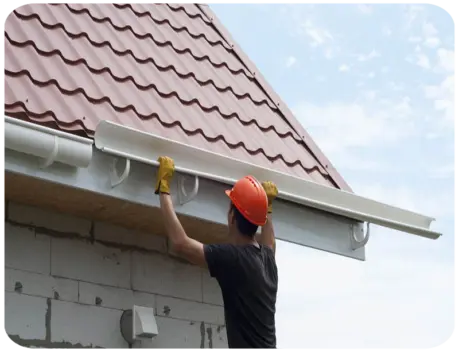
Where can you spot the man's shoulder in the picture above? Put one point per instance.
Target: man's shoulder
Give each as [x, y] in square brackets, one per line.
[238, 249]
[220, 247]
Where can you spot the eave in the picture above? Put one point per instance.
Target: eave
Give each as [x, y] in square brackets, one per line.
[111, 187]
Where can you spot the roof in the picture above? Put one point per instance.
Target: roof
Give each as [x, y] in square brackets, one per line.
[168, 69]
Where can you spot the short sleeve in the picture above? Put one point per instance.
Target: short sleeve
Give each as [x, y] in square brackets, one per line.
[221, 260]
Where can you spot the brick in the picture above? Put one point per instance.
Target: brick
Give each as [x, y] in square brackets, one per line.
[86, 325]
[115, 234]
[41, 285]
[96, 263]
[115, 298]
[157, 273]
[25, 316]
[189, 310]
[40, 217]
[211, 289]
[219, 337]
[26, 251]
[145, 299]
[105, 296]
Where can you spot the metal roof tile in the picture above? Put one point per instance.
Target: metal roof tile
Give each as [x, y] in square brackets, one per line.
[163, 69]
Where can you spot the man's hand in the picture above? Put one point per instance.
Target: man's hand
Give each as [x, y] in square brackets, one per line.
[271, 192]
[165, 172]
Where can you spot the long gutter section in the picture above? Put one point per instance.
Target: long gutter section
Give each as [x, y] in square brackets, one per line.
[49, 144]
[146, 148]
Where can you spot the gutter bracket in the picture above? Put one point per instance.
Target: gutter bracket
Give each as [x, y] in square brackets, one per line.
[355, 243]
[52, 156]
[115, 178]
[183, 196]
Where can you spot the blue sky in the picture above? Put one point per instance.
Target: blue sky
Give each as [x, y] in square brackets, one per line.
[373, 85]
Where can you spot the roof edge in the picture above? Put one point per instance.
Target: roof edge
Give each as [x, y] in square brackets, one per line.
[283, 108]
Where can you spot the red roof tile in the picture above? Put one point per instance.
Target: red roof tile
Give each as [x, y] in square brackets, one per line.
[168, 69]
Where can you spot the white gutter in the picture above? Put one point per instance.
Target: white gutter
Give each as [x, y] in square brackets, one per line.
[136, 145]
[47, 143]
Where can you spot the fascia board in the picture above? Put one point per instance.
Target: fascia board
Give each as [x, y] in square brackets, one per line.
[46, 143]
[293, 223]
[144, 147]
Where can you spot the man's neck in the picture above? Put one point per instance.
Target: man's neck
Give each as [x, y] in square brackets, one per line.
[241, 240]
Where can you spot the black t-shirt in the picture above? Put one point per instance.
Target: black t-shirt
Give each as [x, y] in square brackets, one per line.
[247, 276]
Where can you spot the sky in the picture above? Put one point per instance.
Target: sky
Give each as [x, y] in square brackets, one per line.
[373, 86]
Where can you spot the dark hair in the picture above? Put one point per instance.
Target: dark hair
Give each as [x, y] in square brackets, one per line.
[244, 226]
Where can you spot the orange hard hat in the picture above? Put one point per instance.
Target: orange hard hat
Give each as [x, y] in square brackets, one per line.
[249, 197]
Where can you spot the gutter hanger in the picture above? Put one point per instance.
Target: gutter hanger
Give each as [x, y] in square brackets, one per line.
[143, 147]
[47, 143]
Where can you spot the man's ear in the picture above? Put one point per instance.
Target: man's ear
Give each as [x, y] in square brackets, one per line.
[232, 216]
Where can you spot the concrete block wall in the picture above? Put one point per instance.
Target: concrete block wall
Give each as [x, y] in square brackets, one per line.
[68, 280]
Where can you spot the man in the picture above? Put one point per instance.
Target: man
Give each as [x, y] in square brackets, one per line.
[245, 268]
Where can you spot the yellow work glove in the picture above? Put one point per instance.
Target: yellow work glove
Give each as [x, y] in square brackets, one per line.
[271, 192]
[164, 176]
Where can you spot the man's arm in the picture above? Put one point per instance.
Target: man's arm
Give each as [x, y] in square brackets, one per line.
[267, 234]
[267, 231]
[184, 246]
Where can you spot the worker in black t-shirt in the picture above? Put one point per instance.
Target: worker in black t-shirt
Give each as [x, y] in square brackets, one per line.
[245, 268]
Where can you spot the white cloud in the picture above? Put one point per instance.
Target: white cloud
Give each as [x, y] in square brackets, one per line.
[365, 9]
[371, 75]
[301, 21]
[317, 36]
[432, 42]
[443, 95]
[395, 86]
[338, 127]
[419, 58]
[331, 52]
[429, 30]
[412, 14]
[365, 57]
[423, 61]
[291, 60]
[430, 34]
[415, 39]
[445, 60]
[344, 68]
[387, 31]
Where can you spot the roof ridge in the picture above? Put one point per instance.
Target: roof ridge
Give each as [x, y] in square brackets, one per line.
[274, 97]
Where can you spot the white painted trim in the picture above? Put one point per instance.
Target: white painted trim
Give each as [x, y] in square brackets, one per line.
[146, 148]
[292, 222]
[47, 143]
